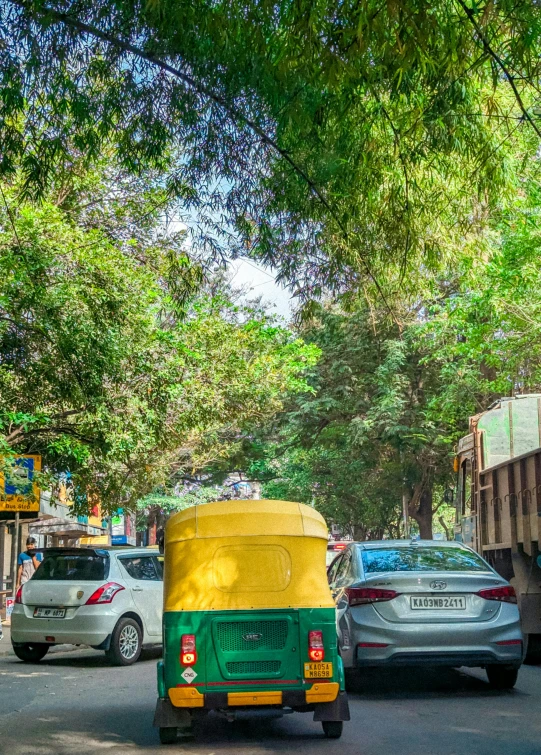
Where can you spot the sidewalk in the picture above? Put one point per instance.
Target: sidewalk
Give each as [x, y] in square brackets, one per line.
[6, 649]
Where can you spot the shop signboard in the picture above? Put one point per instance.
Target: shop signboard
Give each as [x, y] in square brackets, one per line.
[123, 528]
[18, 490]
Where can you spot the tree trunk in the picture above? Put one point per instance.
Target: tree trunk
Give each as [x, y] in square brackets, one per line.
[359, 532]
[422, 513]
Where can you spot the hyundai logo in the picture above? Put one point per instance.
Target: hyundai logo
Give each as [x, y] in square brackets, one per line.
[252, 637]
[438, 584]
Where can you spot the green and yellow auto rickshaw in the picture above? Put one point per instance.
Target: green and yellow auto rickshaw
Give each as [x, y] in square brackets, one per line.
[249, 620]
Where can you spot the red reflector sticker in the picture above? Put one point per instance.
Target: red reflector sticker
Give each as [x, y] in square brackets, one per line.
[372, 645]
[509, 642]
[48, 638]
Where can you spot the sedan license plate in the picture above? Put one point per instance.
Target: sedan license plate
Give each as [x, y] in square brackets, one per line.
[441, 603]
[317, 670]
[49, 613]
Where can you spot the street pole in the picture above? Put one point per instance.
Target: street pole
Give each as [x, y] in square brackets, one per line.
[14, 554]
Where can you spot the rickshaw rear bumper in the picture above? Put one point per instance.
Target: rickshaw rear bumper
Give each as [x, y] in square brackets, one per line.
[326, 701]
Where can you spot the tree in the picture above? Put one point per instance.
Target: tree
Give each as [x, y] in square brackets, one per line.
[335, 140]
[107, 371]
[366, 440]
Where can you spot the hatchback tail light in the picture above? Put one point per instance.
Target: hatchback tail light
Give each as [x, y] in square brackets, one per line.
[504, 594]
[358, 596]
[188, 649]
[104, 594]
[19, 596]
[316, 649]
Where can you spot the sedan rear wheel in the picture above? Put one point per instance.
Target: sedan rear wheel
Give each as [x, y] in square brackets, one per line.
[502, 677]
[31, 652]
[126, 643]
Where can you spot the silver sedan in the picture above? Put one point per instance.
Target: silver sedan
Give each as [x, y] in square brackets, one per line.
[402, 602]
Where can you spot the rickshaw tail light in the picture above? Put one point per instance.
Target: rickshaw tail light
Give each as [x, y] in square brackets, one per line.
[188, 651]
[316, 650]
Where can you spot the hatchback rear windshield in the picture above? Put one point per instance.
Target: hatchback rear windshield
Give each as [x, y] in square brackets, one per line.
[80, 568]
[417, 558]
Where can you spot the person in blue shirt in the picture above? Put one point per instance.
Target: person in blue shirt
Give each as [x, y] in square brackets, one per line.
[28, 562]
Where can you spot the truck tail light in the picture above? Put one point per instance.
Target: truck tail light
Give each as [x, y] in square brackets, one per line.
[188, 650]
[316, 650]
[19, 596]
[104, 594]
[358, 596]
[504, 594]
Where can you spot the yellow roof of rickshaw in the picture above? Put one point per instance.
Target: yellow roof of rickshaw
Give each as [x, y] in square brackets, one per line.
[246, 518]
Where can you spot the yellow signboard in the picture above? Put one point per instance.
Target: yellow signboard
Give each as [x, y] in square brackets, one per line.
[21, 493]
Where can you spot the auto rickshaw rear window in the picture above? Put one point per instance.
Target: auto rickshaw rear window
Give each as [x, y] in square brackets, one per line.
[251, 568]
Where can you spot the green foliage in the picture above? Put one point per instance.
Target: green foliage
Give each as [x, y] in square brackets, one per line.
[342, 142]
[111, 369]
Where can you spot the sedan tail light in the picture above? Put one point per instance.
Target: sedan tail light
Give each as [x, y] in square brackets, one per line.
[19, 596]
[188, 649]
[104, 594]
[358, 596]
[316, 649]
[504, 594]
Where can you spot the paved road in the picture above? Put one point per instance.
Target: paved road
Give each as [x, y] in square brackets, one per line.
[74, 704]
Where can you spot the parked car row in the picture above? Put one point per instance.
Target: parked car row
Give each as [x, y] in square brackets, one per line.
[398, 603]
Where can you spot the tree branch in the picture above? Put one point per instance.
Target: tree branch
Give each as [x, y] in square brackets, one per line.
[470, 13]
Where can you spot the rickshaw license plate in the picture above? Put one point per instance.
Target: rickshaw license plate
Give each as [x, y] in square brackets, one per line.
[317, 670]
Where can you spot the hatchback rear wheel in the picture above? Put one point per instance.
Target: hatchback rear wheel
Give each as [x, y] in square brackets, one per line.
[502, 677]
[126, 643]
[31, 652]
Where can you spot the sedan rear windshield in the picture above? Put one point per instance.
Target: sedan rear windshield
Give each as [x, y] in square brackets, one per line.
[417, 558]
[79, 568]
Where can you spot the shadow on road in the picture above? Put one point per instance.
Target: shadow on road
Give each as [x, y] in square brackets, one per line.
[90, 659]
[419, 683]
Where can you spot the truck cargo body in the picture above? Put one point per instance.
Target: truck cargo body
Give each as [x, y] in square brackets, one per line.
[499, 500]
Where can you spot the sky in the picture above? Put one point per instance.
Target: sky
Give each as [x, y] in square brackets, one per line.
[260, 281]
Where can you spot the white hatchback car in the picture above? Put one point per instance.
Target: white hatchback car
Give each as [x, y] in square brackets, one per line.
[110, 599]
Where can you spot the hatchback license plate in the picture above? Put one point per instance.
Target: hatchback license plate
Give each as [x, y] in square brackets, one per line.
[317, 670]
[49, 613]
[449, 602]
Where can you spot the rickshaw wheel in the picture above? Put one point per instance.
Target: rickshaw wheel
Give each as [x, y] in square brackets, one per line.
[168, 735]
[333, 729]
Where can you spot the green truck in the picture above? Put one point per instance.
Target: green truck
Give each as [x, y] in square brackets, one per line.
[498, 501]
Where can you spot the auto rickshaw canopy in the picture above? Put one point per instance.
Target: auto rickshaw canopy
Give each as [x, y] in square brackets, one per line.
[233, 555]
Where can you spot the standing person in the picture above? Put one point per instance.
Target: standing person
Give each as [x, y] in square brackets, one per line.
[28, 562]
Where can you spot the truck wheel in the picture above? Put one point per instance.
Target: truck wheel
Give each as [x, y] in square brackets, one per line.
[126, 643]
[31, 652]
[333, 729]
[533, 649]
[502, 677]
[352, 679]
[168, 735]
